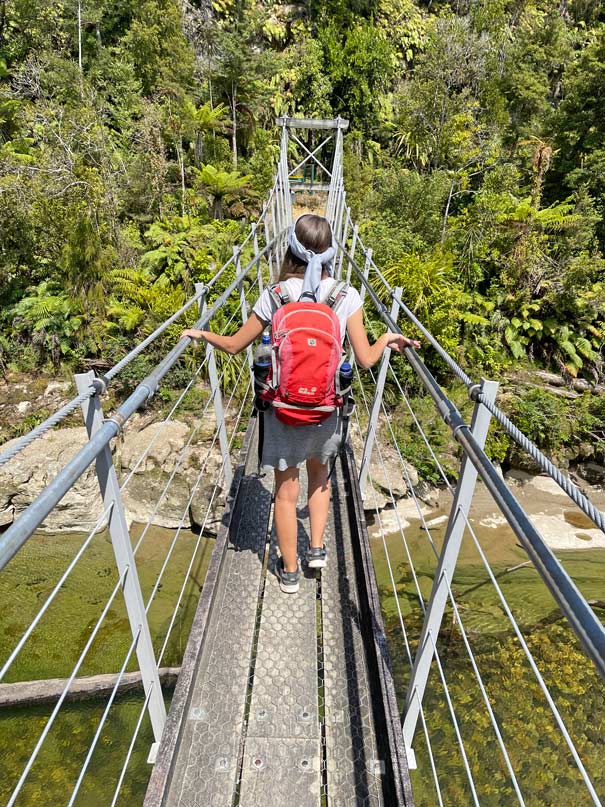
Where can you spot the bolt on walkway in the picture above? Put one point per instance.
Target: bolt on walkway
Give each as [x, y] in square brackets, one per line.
[284, 698]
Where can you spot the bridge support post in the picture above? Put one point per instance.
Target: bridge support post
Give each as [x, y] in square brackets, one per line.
[259, 271]
[217, 397]
[373, 424]
[352, 251]
[362, 291]
[125, 562]
[265, 218]
[445, 569]
[244, 309]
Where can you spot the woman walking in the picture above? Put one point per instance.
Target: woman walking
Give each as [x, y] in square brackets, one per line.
[305, 275]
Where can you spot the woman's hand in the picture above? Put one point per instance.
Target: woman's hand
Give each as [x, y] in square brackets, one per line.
[192, 333]
[397, 341]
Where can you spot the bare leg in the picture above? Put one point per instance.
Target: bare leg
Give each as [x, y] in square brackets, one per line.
[319, 499]
[286, 496]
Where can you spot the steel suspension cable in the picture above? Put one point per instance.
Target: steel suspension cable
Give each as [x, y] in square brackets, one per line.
[508, 611]
[175, 611]
[179, 461]
[19, 646]
[135, 735]
[202, 528]
[98, 385]
[574, 493]
[70, 680]
[587, 627]
[103, 719]
[457, 616]
[163, 424]
[401, 621]
[179, 400]
[193, 492]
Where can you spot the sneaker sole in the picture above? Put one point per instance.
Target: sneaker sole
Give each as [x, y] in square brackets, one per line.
[291, 588]
[317, 563]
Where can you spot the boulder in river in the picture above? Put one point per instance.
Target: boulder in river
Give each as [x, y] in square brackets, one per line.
[171, 486]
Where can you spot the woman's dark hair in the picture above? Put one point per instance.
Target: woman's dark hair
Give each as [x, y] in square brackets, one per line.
[314, 233]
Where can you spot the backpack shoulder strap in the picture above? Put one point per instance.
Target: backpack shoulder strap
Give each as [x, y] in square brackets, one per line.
[336, 295]
[279, 295]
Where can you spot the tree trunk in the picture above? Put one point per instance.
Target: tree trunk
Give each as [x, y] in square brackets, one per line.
[234, 124]
[217, 208]
[2, 20]
[447, 212]
[181, 162]
[80, 47]
[199, 148]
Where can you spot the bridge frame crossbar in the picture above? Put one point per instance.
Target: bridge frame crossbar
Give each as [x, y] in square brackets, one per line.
[126, 565]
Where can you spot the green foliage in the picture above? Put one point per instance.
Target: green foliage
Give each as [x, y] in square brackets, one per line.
[224, 187]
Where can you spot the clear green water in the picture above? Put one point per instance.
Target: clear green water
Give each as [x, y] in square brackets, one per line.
[51, 652]
[543, 764]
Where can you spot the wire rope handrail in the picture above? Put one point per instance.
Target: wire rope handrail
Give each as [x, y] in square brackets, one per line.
[99, 384]
[580, 615]
[49, 723]
[453, 715]
[177, 605]
[453, 602]
[19, 532]
[474, 390]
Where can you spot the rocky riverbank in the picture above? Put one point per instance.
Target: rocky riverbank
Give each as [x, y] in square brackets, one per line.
[171, 476]
[168, 474]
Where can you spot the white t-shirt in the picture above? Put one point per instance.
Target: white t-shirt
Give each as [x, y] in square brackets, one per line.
[265, 309]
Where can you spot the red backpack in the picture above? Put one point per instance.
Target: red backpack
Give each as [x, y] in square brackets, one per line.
[306, 349]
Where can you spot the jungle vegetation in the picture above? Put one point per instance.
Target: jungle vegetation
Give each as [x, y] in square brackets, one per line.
[137, 141]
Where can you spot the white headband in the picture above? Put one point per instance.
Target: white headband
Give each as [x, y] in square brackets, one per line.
[315, 263]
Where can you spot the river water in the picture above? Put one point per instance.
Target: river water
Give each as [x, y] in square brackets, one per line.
[544, 767]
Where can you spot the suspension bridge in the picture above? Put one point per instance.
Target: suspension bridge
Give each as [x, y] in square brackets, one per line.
[292, 700]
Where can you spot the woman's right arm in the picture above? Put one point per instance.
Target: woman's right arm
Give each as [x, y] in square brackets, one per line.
[366, 354]
[249, 331]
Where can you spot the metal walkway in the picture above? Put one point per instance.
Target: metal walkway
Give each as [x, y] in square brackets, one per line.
[284, 699]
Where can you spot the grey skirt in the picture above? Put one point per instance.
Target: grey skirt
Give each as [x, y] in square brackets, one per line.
[289, 446]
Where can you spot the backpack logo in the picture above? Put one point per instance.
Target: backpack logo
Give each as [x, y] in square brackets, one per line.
[311, 342]
[305, 391]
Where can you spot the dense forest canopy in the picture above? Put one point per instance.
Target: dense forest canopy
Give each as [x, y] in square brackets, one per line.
[137, 140]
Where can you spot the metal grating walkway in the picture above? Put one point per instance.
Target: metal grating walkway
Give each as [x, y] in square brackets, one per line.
[284, 699]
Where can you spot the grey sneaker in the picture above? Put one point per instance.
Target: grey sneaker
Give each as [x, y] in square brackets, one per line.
[316, 557]
[288, 581]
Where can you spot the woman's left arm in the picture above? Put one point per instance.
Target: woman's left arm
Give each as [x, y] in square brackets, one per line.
[367, 354]
[249, 331]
